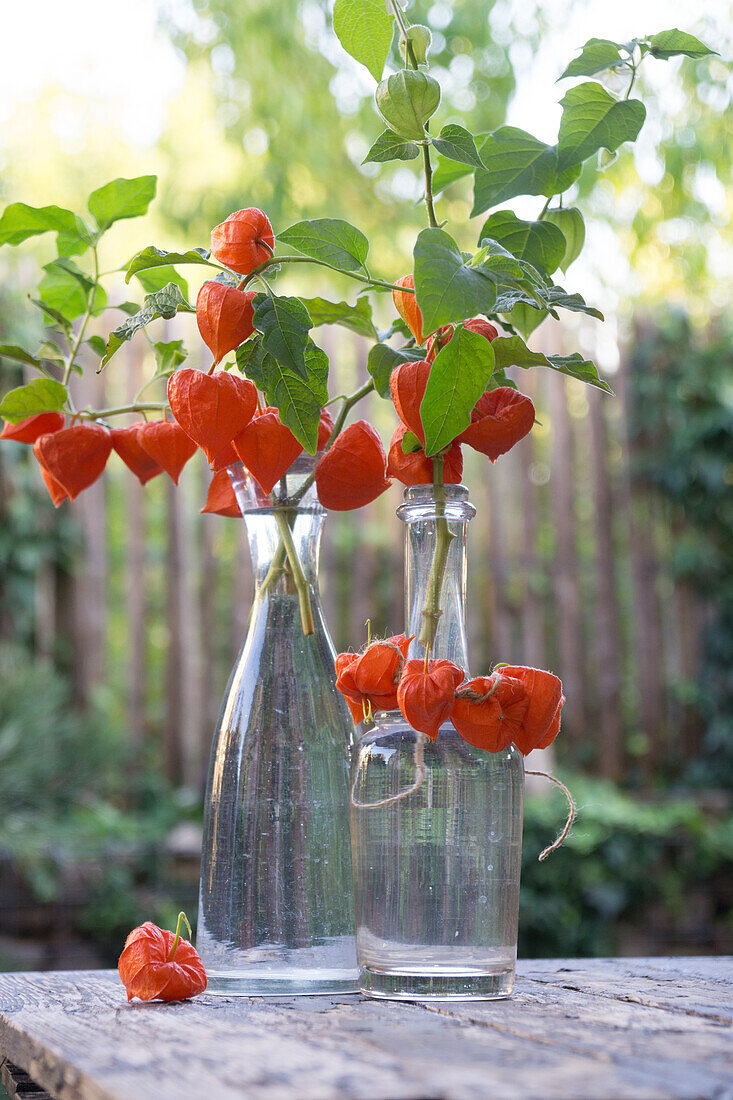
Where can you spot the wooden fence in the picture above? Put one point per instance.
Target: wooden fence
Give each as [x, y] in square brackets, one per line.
[569, 568]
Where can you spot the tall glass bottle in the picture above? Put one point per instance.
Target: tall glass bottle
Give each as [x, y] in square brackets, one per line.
[436, 825]
[276, 908]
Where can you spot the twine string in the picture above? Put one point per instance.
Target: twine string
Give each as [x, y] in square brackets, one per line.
[572, 813]
[419, 758]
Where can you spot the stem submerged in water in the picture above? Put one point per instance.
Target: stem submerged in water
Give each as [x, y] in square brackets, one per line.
[432, 610]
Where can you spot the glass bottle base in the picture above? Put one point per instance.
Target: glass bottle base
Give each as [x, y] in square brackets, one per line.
[286, 983]
[437, 986]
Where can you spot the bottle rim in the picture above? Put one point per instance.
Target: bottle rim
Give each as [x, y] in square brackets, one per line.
[419, 503]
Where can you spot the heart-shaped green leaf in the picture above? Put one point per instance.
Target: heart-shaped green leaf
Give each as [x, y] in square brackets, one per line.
[672, 43]
[40, 395]
[358, 317]
[517, 164]
[152, 257]
[447, 288]
[458, 377]
[383, 359]
[592, 119]
[122, 198]
[457, 144]
[390, 147]
[570, 222]
[540, 243]
[335, 242]
[364, 28]
[284, 324]
[597, 54]
[298, 398]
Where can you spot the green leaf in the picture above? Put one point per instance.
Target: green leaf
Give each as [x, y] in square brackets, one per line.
[65, 289]
[556, 296]
[570, 222]
[335, 242]
[597, 54]
[122, 198]
[447, 288]
[522, 316]
[19, 222]
[458, 377]
[406, 100]
[410, 444]
[151, 256]
[358, 317]
[20, 355]
[457, 144]
[298, 398]
[169, 355]
[52, 314]
[510, 297]
[364, 28]
[156, 278]
[503, 267]
[40, 395]
[592, 119]
[390, 147]
[130, 308]
[672, 43]
[383, 359]
[164, 303]
[517, 164]
[540, 243]
[511, 351]
[284, 324]
[448, 172]
[97, 344]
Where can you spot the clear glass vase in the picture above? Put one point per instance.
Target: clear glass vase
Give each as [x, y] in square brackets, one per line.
[436, 825]
[276, 900]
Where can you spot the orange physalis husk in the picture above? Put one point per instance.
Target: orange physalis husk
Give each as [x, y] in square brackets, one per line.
[211, 409]
[352, 472]
[407, 307]
[225, 458]
[57, 492]
[74, 457]
[541, 723]
[148, 972]
[488, 711]
[168, 444]
[221, 500]
[238, 241]
[426, 698]
[444, 335]
[500, 419]
[127, 444]
[407, 386]
[325, 427]
[267, 448]
[416, 468]
[371, 678]
[28, 430]
[225, 317]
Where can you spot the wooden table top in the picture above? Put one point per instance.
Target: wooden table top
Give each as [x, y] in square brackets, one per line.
[588, 1028]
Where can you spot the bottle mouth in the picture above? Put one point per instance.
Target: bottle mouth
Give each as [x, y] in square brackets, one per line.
[287, 493]
[419, 502]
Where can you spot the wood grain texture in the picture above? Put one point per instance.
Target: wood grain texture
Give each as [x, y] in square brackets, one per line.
[631, 1028]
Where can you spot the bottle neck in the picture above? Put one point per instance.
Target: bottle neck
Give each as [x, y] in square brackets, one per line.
[435, 570]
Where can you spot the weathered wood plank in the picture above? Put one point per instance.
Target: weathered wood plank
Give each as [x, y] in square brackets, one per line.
[574, 1029]
[18, 1084]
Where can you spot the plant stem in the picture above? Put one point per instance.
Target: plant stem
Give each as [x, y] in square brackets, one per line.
[102, 414]
[299, 579]
[432, 610]
[428, 168]
[182, 919]
[367, 280]
[76, 344]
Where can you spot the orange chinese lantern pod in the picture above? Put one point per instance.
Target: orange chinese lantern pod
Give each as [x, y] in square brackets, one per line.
[444, 335]
[352, 472]
[28, 430]
[241, 241]
[407, 386]
[168, 444]
[221, 500]
[126, 443]
[156, 965]
[74, 457]
[488, 711]
[500, 419]
[416, 468]
[225, 317]
[325, 427]
[541, 723]
[267, 448]
[57, 492]
[426, 698]
[407, 307]
[370, 678]
[211, 409]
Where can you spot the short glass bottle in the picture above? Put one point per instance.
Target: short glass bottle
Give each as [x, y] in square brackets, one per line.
[276, 903]
[436, 825]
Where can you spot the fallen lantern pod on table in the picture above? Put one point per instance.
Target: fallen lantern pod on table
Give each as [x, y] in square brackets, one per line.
[436, 825]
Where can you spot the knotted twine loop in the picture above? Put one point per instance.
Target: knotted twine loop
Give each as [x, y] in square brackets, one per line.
[571, 815]
[419, 758]
[477, 696]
